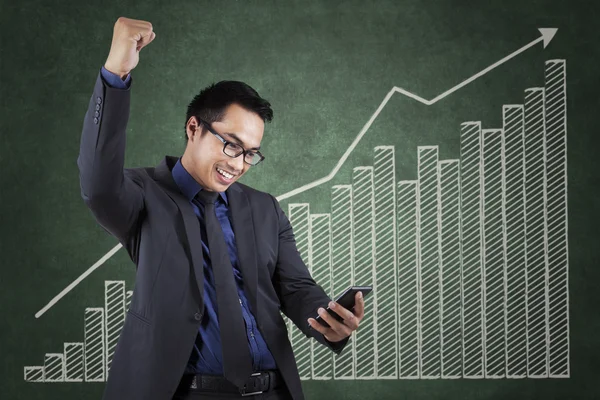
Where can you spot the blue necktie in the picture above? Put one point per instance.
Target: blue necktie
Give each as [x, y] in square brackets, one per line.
[237, 363]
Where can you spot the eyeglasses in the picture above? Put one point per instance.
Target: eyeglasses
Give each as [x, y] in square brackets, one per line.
[233, 150]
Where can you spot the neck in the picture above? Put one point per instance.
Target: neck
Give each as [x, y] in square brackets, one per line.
[187, 163]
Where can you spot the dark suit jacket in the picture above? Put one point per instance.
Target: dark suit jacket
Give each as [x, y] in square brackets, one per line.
[144, 209]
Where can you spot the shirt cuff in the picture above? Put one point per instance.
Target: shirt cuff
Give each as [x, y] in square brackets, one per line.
[114, 80]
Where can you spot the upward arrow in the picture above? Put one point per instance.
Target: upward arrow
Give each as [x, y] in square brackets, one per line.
[546, 36]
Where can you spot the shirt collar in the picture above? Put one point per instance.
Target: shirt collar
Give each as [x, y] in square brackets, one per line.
[187, 184]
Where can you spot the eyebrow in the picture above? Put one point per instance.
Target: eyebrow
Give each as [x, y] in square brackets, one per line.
[239, 141]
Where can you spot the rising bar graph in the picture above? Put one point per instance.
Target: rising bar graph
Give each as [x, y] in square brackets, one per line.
[89, 360]
[472, 255]
[469, 262]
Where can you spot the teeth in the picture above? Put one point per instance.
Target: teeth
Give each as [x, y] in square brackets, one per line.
[225, 174]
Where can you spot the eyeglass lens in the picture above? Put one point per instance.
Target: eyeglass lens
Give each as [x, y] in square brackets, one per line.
[234, 150]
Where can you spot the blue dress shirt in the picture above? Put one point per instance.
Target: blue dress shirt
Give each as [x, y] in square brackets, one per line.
[207, 357]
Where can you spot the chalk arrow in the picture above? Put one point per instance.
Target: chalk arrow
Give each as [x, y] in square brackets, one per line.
[546, 37]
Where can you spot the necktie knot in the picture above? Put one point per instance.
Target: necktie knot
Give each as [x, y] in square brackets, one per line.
[207, 197]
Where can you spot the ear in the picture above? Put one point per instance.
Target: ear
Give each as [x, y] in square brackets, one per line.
[193, 128]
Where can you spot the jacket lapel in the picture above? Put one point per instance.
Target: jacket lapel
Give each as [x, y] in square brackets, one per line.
[243, 228]
[190, 220]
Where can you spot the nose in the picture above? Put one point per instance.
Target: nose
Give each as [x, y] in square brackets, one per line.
[237, 163]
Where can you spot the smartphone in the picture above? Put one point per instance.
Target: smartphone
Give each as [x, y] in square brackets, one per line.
[346, 300]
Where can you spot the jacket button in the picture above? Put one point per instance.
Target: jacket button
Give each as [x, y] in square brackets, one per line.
[197, 316]
[99, 100]
[96, 113]
[97, 107]
[95, 120]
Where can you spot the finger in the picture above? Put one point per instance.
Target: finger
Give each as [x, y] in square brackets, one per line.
[347, 315]
[338, 327]
[327, 333]
[145, 40]
[340, 310]
[317, 326]
[143, 26]
[359, 307]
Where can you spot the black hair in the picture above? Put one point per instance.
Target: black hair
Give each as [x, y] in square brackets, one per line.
[211, 102]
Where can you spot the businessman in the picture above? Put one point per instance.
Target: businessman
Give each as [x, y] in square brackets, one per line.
[216, 261]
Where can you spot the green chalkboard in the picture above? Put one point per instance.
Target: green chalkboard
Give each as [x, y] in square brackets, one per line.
[454, 139]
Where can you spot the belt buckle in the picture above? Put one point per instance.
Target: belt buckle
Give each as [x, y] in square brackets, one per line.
[243, 390]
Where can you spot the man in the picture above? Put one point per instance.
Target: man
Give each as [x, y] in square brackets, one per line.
[216, 260]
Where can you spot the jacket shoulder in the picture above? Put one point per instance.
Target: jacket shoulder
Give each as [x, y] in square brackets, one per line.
[257, 197]
[140, 172]
[253, 193]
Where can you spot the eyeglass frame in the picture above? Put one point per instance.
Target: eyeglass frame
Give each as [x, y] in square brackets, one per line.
[226, 142]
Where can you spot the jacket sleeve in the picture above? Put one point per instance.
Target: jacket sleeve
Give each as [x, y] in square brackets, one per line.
[113, 194]
[299, 294]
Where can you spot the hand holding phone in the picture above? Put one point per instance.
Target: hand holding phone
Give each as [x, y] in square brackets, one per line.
[346, 300]
[343, 310]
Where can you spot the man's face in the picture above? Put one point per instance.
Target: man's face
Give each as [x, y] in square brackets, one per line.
[204, 158]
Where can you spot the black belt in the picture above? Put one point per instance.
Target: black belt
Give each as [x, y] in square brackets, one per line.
[257, 383]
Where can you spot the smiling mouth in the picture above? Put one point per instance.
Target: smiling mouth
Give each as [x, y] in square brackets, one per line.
[225, 174]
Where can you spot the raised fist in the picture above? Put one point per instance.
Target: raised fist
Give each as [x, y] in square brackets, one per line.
[129, 37]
